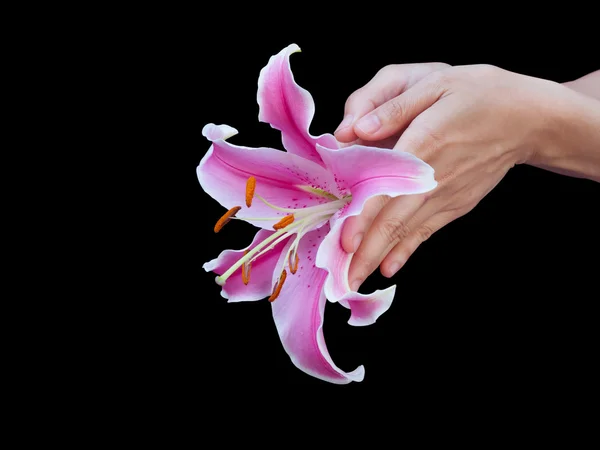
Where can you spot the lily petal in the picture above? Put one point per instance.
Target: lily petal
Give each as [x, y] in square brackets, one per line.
[365, 308]
[298, 313]
[280, 177]
[288, 107]
[214, 132]
[365, 172]
[261, 271]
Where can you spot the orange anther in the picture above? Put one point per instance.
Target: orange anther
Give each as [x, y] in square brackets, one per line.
[246, 270]
[250, 186]
[294, 266]
[284, 222]
[226, 218]
[278, 287]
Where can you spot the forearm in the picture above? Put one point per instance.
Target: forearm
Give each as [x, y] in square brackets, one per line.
[571, 139]
[587, 85]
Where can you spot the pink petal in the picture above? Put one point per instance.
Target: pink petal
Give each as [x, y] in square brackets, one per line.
[365, 172]
[225, 169]
[368, 171]
[298, 314]
[365, 309]
[261, 272]
[288, 107]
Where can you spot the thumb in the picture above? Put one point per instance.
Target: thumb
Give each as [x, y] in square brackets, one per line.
[396, 114]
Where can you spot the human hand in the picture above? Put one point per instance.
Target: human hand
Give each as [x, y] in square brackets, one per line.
[470, 123]
[388, 83]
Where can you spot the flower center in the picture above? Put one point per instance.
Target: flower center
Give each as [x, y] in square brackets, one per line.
[298, 221]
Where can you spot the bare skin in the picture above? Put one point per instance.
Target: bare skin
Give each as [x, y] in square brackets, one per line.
[472, 124]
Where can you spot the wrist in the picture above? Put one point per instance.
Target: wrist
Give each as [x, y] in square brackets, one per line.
[569, 139]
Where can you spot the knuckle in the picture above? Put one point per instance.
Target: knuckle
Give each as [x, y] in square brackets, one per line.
[386, 71]
[394, 110]
[352, 99]
[486, 69]
[439, 78]
[393, 229]
[358, 97]
[439, 65]
[464, 209]
[424, 232]
[380, 201]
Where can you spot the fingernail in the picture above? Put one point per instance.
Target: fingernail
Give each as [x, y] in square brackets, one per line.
[348, 118]
[369, 124]
[395, 267]
[356, 284]
[357, 240]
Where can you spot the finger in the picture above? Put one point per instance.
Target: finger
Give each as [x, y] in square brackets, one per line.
[398, 256]
[429, 131]
[388, 227]
[388, 83]
[355, 227]
[385, 143]
[396, 114]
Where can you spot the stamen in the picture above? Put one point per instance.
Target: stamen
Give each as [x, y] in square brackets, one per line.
[246, 270]
[271, 205]
[278, 287]
[250, 187]
[284, 222]
[226, 218]
[299, 222]
[294, 266]
[278, 236]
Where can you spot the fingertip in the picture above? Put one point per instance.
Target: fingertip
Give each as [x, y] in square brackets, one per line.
[348, 238]
[345, 134]
[355, 276]
[355, 284]
[370, 128]
[390, 268]
[344, 131]
[368, 125]
[348, 144]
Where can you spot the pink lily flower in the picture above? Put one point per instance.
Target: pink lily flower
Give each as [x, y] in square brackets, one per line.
[300, 199]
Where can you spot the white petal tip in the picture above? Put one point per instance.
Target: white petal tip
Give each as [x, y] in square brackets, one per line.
[224, 294]
[358, 374]
[360, 322]
[293, 48]
[214, 132]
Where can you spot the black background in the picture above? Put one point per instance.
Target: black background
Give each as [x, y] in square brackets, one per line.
[502, 299]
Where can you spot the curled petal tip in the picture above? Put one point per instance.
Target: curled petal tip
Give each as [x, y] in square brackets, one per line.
[214, 132]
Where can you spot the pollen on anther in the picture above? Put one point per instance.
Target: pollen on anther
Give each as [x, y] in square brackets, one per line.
[226, 218]
[250, 187]
[284, 222]
[278, 286]
[246, 270]
[294, 265]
